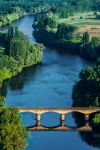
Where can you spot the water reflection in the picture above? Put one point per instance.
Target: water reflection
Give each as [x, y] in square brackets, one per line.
[30, 117]
[91, 138]
[48, 85]
[18, 82]
[58, 141]
[72, 122]
[61, 139]
[50, 119]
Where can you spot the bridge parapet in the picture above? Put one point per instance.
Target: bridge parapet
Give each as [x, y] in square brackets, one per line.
[83, 110]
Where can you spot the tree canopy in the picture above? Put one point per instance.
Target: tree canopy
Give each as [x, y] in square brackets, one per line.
[12, 133]
[18, 53]
[86, 91]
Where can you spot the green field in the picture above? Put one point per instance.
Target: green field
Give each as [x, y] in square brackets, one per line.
[81, 20]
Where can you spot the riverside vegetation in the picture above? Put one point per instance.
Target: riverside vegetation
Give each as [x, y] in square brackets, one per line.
[12, 133]
[14, 14]
[17, 53]
[13, 10]
[50, 30]
[86, 93]
[66, 36]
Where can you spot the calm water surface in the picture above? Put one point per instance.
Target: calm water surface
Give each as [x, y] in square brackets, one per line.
[48, 84]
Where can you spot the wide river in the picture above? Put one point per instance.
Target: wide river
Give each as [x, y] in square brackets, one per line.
[48, 84]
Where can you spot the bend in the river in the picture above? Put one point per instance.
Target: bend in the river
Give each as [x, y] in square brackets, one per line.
[47, 85]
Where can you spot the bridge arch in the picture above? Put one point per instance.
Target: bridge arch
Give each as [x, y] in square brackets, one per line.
[62, 111]
[74, 119]
[50, 119]
[29, 119]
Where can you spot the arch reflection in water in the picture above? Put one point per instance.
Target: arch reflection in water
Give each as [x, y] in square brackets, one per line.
[50, 119]
[28, 119]
[71, 122]
[91, 138]
[50, 140]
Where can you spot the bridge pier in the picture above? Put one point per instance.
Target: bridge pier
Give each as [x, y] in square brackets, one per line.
[62, 119]
[87, 120]
[86, 117]
[87, 124]
[38, 120]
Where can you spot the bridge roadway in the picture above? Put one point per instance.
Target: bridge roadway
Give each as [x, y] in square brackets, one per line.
[62, 111]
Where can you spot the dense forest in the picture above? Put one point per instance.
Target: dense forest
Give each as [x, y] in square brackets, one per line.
[13, 10]
[54, 4]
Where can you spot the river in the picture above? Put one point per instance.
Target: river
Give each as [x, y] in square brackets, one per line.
[48, 84]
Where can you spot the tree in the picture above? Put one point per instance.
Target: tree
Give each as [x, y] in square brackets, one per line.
[18, 49]
[10, 34]
[95, 42]
[85, 38]
[2, 101]
[86, 91]
[16, 32]
[12, 133]
[19, 54]
[96, 119]
[67, 32]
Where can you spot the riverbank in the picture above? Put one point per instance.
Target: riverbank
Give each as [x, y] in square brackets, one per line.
[15, 74]
[66, 37]
[8, 18]
[17, 14]
[47, 85]
[17, 54]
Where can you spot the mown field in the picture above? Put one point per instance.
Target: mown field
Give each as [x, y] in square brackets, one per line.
[82, 20]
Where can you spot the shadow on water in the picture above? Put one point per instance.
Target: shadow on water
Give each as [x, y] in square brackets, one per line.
[18, 82]
[71, 121]
[49, 84]
[91, 138]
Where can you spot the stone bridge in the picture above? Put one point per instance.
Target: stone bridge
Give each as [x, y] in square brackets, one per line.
[62, 111]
